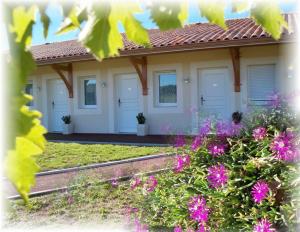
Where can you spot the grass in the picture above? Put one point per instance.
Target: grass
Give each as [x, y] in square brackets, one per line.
[65, 155]
[95, 203]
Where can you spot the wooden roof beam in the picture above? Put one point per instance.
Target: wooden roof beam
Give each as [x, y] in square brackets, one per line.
[67, 77]
[140, 65]
[235, 58]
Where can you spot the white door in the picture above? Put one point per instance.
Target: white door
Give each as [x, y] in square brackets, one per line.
[127, 102]
[57, 104]
[214, 93]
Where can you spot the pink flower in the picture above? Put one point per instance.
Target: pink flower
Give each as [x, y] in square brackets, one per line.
[217, 176]
[196, 143]
[205, 128]
[283, 147]
[177, 229]
[259, 191]
[135, 183]
[259, 133]
[275, 100]
[114, 183]
[139, 227]
[151, 183]
[221, 128]
[198, 209]
[182, 162]
[179, 141]
[227, 129]
[263, 226]
[216, 149]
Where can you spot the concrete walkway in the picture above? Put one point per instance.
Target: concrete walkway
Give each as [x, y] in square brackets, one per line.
[59, 179]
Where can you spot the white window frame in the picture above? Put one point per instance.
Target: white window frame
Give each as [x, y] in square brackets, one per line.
[82, 92]
[156, 86]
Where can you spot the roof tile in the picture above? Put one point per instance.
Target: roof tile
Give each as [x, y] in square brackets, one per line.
[193, 34]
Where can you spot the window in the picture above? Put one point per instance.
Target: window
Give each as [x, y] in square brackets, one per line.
[89, 92]
[29, 90]
[166, 89]
[261, 84]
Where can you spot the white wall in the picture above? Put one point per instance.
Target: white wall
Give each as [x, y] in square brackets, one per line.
[180, 118]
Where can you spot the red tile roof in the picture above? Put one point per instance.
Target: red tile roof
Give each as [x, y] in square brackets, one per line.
[241, 32]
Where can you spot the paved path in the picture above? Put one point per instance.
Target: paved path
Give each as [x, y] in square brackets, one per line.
[113, 170]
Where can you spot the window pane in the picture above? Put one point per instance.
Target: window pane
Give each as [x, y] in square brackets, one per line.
[90, 92]
[167, 88]
[29, 90]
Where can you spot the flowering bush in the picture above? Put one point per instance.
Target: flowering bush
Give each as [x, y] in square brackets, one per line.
[231, 182]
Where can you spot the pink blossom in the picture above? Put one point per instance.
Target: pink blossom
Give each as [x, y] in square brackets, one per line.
[182, 162]
[259, 133]
[283, 147]
[275, 100]
[135, 182]
[259, 191]
[216, 149]
[205, 128]
[226, 129]
[221, 128]
[196, 143]
[139, 227]
[151, 183]
[177, 229]
[217, 176]
[198, 209]
[179, 141]
[263, 226]
[114, 183]
[129, 211]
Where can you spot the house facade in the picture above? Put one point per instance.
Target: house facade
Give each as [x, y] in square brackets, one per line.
[189, 73]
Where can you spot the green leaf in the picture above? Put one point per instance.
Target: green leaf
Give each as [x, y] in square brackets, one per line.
[73, 22]
[45, 21]
[20, 166]
[168, 14]
[267, 14]
[22, 22]
[101, 35]
[214, 11]
[26, 135]
[134, 30]
[240, 5]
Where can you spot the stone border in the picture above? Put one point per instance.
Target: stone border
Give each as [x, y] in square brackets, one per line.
[122, 178]
[104, 164]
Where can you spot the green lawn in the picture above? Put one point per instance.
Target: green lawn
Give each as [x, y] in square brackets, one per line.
[96, 203]
[65, 155]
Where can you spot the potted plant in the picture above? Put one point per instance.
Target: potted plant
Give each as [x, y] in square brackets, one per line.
[67, 125]
[142, 127]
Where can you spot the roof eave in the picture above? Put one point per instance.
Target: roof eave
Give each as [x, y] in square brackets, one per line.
[173, 49]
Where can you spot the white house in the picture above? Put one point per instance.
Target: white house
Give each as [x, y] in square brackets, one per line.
[199, 68]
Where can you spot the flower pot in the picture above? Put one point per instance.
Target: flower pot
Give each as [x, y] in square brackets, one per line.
[67, 129]
[142, 129]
